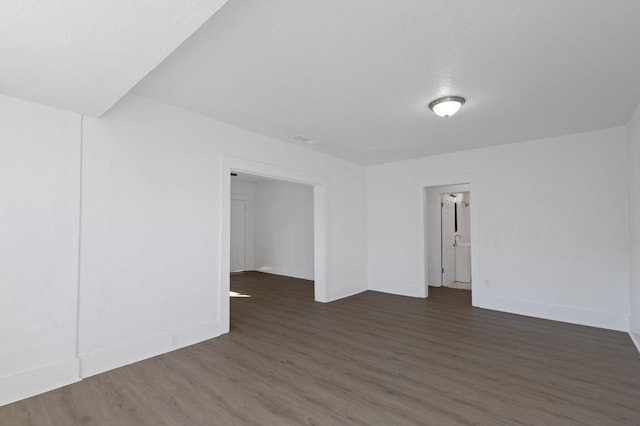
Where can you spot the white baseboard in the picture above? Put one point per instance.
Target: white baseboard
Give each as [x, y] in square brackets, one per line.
[610, 321]
[118, 356]
[341, 293]
[635, 338]
[399, 289]
[34, 382]
[556, 313]
[287, 272]
[634, 331]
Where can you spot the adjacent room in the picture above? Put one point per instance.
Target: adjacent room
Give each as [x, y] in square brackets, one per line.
[319, 212]
[271, 226]
[271, 230]
[448, 236]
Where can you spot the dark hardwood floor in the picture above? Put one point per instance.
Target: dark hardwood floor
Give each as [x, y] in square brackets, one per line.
[371, 359]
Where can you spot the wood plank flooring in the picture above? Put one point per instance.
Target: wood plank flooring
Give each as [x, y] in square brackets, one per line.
[371, 359]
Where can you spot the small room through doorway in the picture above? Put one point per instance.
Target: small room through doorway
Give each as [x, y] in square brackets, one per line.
[448, 236]
[286, 249]
[271, 226]
[455, 229]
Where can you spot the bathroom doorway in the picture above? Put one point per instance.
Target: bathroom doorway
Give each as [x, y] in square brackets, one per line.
[448, 236]
[455, 240]
[430, 233]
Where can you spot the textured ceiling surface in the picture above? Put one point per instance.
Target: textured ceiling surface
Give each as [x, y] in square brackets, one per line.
[83, 56]
[356, 76]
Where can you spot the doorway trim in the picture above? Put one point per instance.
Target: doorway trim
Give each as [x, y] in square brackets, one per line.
[423, 273]
[320, 227]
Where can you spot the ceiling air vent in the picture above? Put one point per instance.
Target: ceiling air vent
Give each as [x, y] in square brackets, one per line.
[303, 139]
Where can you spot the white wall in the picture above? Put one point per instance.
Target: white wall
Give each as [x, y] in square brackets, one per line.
[40, 200]
[284, 229]
[536, 255]
[634, 222]
[247, 191]
[433, 229]
[149, 251]
[151, 227]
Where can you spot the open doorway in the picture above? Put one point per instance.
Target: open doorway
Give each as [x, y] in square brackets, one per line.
[271, 243]
[448, 236]
[455, 241]
[271, 226]
[449, 241]
[316, 250]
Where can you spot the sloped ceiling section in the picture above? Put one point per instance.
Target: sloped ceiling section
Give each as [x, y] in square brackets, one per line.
[83, 56]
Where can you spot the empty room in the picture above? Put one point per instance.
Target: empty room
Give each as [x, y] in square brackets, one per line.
[223, 212]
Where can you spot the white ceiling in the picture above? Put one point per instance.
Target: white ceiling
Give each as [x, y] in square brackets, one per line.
[84, 55]
[356, 75]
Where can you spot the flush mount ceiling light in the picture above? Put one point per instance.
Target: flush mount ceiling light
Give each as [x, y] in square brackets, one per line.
[447, 105]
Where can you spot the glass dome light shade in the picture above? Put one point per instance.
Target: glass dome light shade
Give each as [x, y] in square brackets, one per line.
[447, 106]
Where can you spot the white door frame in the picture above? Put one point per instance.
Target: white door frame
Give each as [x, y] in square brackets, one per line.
[443, 261]
[472, 180]
[320, 227]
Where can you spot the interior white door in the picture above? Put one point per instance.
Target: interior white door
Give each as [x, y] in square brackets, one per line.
[448, 240]
[238, 235]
